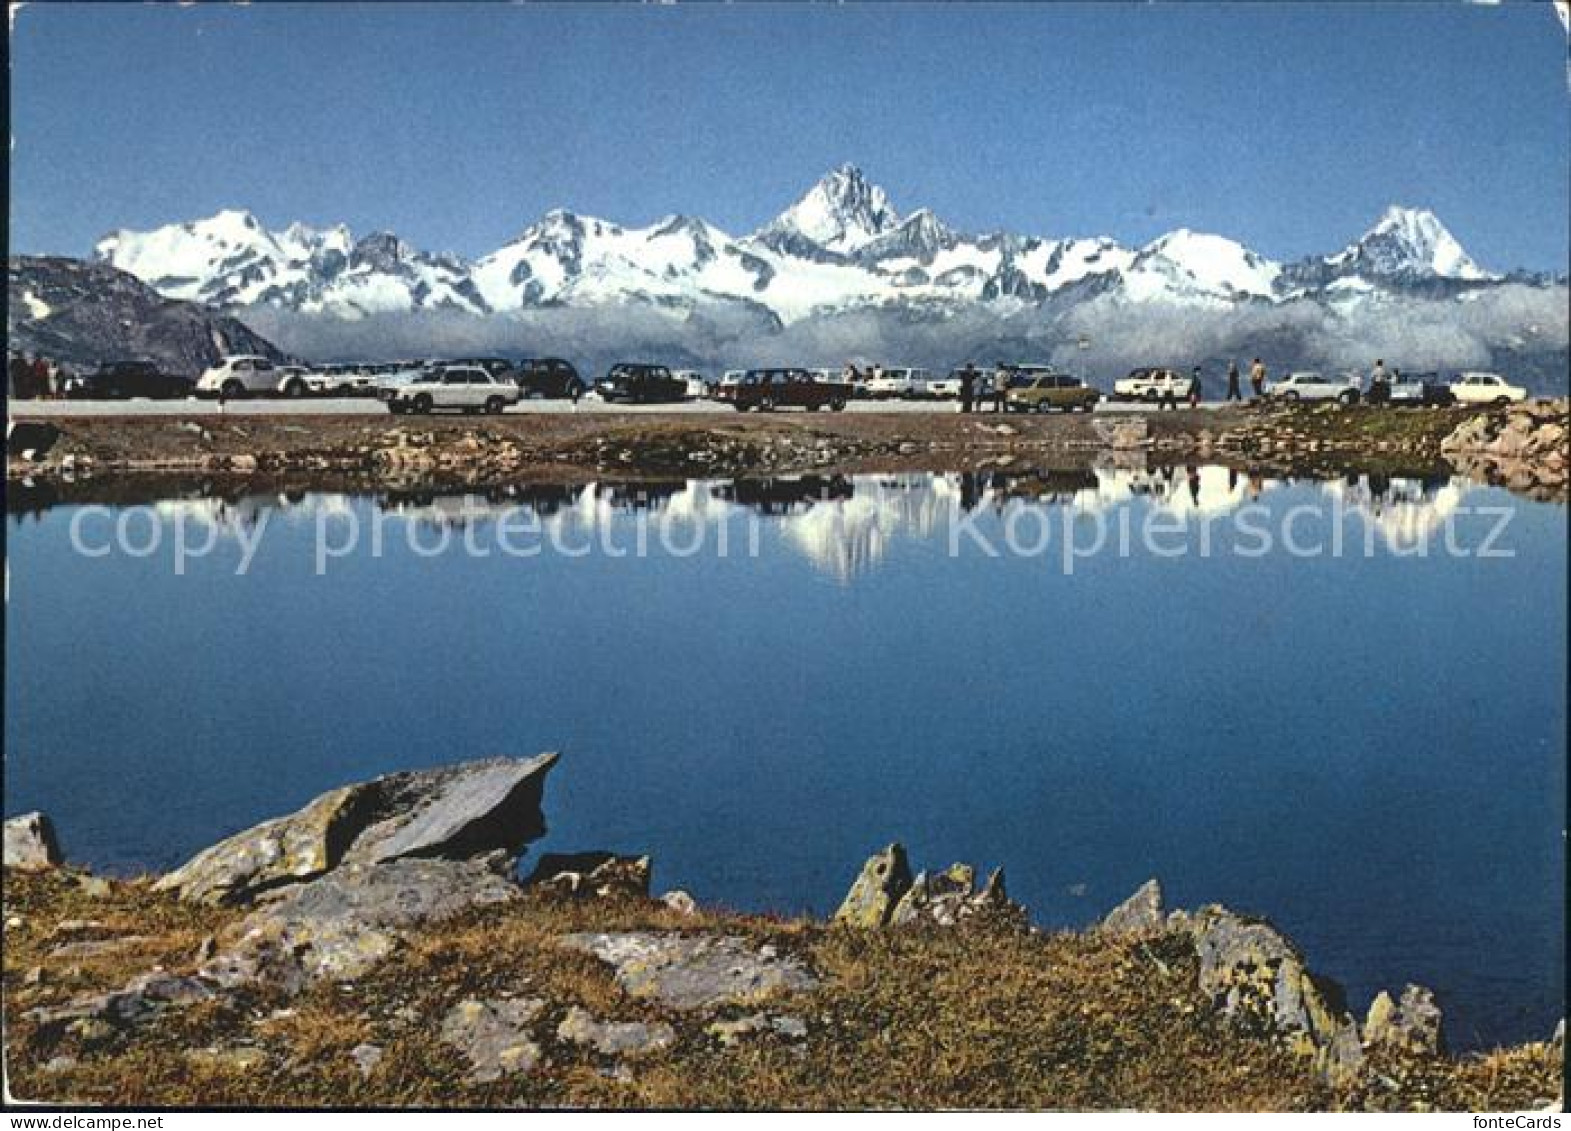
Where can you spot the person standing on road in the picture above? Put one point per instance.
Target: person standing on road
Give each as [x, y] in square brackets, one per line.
[1169, 391]
[967, 386]
[1194, 388]
[39, 374]
[1233, 392]
[1000, 387]
[1257, 378]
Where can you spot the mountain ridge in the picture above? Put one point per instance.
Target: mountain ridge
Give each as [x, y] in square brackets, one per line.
[842, 246]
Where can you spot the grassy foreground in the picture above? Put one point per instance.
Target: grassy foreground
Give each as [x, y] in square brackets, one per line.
[912, 1018]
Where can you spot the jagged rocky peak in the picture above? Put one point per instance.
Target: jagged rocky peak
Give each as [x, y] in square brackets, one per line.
[841, 213]
[1408, 242]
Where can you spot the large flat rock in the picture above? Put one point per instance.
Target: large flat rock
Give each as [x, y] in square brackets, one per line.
[453, 812]
[694, 971]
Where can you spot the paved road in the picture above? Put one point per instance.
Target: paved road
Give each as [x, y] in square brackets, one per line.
[362, 406]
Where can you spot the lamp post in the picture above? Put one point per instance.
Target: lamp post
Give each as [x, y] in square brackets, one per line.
[1083, 343]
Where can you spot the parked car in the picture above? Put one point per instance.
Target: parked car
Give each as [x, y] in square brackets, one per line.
[467, 388]
[1152, 384]
[1474, 387]
[239, 376]
[1410, 389]
[899, 382]
[639, 383]
[1042, 392]
[1312, 385]
[765, 390]
[548, 378]
[114, 380]
[947, 388]
[693, 382]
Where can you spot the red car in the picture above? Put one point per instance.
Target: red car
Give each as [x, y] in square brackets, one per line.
[765, 390]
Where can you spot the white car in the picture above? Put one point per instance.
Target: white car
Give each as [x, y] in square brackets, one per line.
[947, 388]
[898, 382]
[239, 376]
[1311, 385]
[697, 387]
[1152, 385]
[467, 388]
[1485, 388]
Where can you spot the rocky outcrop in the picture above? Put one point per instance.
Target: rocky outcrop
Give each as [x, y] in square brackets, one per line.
[695, 972]
[884, 879]
[30, 843]
[1258, 980]
[601, 875]
[337, 885]
[1141, 913]
[454, 812]
[885, 894]
[1409, 1026]
[1523, 448]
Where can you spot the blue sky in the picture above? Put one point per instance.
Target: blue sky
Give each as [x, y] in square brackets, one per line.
[1287, 126]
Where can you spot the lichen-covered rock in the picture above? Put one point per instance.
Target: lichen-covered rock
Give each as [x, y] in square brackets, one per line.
[30, 843]
[695, 971]
[454, 812]
[341, 924]
[494, 1036]
[630, 1039]
[1411, 1026]
[732, 1030]
[950, 898]
[1259, 981]
[1141, 913]
[600, 875]
[284, 850]
[884, 879]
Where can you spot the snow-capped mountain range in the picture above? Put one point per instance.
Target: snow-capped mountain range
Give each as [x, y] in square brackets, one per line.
[842, 247]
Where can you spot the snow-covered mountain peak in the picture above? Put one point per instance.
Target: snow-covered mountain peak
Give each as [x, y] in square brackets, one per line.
[840, 213]
[1199, 265]
[1406, 242]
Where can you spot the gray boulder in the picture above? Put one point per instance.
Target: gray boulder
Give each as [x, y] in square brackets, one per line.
[454, 812]
[695, 972]
[1141, 913]
[30, 843]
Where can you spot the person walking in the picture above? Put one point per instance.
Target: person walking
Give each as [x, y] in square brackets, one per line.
[1233, 392]
[967, 386]
[1257, 378]
[1194, 388]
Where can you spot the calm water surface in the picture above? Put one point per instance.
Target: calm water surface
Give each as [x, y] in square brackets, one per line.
[1367, 747]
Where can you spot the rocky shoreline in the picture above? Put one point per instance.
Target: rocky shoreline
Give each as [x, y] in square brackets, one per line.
[377, 948]
[1521, 447]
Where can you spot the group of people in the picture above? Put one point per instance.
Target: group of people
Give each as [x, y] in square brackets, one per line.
[971, 391]
[34, 378]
